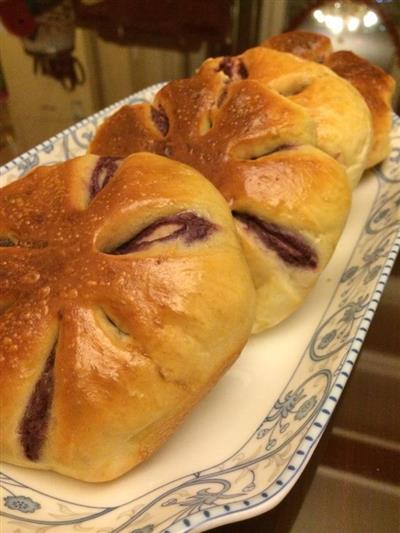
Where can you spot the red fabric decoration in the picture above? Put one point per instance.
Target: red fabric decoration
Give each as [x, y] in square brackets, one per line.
[17, 18]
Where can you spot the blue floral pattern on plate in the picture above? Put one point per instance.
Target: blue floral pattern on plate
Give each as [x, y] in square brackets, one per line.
[21, 503]
[263, 469]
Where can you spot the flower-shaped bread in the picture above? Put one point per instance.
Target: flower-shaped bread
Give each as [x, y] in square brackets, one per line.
[373, 83]
[341, 115]
[289, 199]
[124, 295]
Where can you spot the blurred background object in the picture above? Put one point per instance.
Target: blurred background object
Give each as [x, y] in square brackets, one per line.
[47, 29]
[8, 146]
[52, 44]
[171, 24]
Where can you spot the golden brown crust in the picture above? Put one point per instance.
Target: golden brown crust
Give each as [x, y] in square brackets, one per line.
[302, 190]
[255, 145]
[133, 131]
[330, 101]
[373, 83]
[137, 338]
[377, 87]
[304, 44]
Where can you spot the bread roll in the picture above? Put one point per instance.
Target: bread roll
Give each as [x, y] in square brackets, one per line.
[377, 87]
[341, 115]
[289, 199]
[373, 83]
[124, 296]
[305, 44]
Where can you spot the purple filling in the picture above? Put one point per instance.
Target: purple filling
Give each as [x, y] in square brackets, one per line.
[34, 424]
[234, 68]
[5, 242]
[290, 247]
[103, 171]
[190, 228]
[160, 119]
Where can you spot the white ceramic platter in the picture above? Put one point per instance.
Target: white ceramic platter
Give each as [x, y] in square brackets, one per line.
[240, 452]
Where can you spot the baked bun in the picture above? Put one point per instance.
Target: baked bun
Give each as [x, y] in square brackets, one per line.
[124, 296]
[304, 44]
[289, 199]
[341, 115]
[373, 83]
[377, 87]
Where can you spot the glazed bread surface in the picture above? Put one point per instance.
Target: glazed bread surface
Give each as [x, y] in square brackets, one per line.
[341, 115]
[377, 87]
[372, 82]
[289, 199]
[307, 45]
[124, 296]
